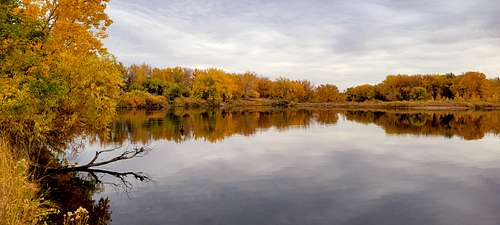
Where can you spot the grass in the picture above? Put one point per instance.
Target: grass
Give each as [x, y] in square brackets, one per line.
[20, 202]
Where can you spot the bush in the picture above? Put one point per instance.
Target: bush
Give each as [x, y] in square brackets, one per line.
[190, 102]
[142, 100]
[418, 94]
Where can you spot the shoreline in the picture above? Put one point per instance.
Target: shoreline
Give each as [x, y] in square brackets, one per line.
[245, 104]
[452, 106]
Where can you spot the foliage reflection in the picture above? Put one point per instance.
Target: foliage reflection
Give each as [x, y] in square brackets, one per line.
[181, 125]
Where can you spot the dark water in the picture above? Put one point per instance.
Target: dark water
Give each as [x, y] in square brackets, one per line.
[273, 167]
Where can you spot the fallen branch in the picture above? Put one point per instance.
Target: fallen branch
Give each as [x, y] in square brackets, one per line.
[90, 166]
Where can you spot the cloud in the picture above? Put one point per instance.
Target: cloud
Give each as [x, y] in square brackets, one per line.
[341, 42]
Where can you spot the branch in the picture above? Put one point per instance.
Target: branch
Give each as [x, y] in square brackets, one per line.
[90, 166]
[120, 175]
[129, 154]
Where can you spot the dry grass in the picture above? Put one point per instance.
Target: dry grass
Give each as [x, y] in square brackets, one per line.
[19, 200]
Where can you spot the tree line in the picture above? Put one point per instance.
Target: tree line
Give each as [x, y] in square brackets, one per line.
[218, 86]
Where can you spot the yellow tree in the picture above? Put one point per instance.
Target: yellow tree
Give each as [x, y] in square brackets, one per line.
[66, 82]
[264, 87]
[137, 76]
[327, 93]
[361, 93]
[213, 85]
[247, 85]
[469, 86]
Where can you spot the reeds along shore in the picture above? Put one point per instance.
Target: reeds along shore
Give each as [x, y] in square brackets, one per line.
[20, 202]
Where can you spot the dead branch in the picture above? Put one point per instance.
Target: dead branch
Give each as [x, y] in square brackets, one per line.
[90, 166]
[128, 154]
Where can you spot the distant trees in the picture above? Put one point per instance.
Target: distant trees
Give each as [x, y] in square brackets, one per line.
[217, 86]
[213, 85]
[247, 85]
[470, 86]
[327, 93]
[361, 93]
[418, 94]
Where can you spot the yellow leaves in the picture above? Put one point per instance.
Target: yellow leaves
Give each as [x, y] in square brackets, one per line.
[361, 93]
[328, 93]
[293, 90]
[213, 85]
[247, 85]
[57, 80]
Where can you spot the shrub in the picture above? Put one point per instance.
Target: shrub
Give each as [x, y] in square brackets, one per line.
[142, 100]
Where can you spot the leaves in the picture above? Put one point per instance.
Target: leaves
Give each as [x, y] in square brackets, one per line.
[57, 80]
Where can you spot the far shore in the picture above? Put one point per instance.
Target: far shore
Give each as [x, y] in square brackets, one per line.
[403, 105]
[374, 105]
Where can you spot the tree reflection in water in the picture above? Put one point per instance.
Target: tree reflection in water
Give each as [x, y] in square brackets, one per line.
[180, 125]
[70, 188]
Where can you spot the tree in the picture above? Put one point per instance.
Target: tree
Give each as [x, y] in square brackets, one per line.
[247, 85]
[56, 79]
[137, 76]
[361, 93]
[469, 86]
[155, 86]
[174, 90]
[308, 91]
[418, 94]
[264, 87]
[327, 93]
[213, 85]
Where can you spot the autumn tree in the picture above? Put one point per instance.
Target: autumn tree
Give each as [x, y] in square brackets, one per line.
[418, 94]
[247, 85]
[213, 85]
[264, 87]
[469, 86]
[136, 76]
[56, 78]
[398, 88]
[327, 93]
[491, 90]
[361, 93]
[308, 88]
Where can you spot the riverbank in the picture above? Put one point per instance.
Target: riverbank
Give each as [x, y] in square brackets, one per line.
[404, 105]
[147, 102]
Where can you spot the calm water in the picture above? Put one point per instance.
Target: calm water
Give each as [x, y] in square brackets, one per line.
[302, 167]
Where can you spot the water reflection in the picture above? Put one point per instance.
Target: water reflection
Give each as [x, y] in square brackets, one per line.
[311, 167]
[70, 191]
[180, 125]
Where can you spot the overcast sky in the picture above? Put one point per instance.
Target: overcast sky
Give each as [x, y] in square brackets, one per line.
[345, 42]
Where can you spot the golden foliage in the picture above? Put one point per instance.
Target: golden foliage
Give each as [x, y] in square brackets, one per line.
[328, 93]
[361, 93]
[182, 124]
[216, 86]
[213, 85]
[56, 79]
[142, 100]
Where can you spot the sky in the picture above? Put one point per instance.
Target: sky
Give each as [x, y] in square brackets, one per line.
[344, 42]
